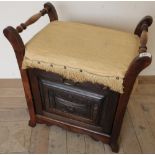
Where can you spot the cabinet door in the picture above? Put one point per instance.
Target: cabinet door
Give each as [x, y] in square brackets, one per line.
[88, 105]
[70, 101]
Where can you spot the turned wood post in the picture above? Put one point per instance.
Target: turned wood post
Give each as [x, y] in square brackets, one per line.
[48, 9]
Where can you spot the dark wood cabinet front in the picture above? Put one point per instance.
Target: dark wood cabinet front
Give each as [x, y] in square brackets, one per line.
[76, 103]
[70, 101]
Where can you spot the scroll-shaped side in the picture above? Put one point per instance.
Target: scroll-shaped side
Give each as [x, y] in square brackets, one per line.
[17, 43]
[15, 40]
[147, 20]
[48, 9]
[138, 64]
[51, 11]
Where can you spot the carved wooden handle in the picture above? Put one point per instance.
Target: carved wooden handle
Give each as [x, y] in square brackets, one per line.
[143, 38]
[142, 31]
[31, 20]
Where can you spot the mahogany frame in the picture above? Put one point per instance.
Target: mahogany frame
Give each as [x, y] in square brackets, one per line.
[138, 64]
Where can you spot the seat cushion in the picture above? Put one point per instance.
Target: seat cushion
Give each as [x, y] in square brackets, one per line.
[83, 52]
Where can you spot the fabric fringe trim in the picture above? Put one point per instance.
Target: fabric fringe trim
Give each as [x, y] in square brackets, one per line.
[75, 74]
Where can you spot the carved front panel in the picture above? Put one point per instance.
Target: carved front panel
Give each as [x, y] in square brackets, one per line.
[87, 105]
[70, 101]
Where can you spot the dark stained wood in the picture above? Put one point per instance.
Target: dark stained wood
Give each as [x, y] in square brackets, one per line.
[87, 108]
[138, 64]
[19, 48]
[14, 38]
[71, 127]
[52, 94]
[51, 11]
[63, 99]
[146, 21]
[48, 9]
[143, 41]
[141, 30]
[31, 20]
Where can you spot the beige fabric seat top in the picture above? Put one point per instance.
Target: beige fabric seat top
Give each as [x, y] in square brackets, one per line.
[83, 52]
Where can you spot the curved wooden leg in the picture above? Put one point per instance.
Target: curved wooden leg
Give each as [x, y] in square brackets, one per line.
[28, 95]
[14, 38]
[114, 147]
[17, 43]
[32, 123]
[49, 125]
[94, 138]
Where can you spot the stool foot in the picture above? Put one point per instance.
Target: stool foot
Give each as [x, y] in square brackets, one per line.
[114, 147]
[49, 125]
[94, 138]
[32, 123]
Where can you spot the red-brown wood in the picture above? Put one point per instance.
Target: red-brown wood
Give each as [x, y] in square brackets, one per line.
[96, 135]
[31, 20]
[51, 11]
[19, 48]
[147, 20]
[84, 104]
[48, 9]
[137, 65]
[12, 35]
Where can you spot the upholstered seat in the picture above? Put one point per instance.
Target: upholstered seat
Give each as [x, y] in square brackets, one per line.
[83, 52]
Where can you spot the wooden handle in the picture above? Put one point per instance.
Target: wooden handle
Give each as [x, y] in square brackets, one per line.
[143, 38]
[31, 20]
[143, 42]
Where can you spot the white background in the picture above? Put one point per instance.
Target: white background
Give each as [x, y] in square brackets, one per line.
[118, 15]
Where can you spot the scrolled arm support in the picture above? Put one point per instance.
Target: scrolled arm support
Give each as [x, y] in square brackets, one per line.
[52, 13]
[14, 38]
[137, 65]
[144, 24]
[17, 43]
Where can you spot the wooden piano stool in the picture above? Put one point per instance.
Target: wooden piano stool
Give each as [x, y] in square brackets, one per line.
[70, 96]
